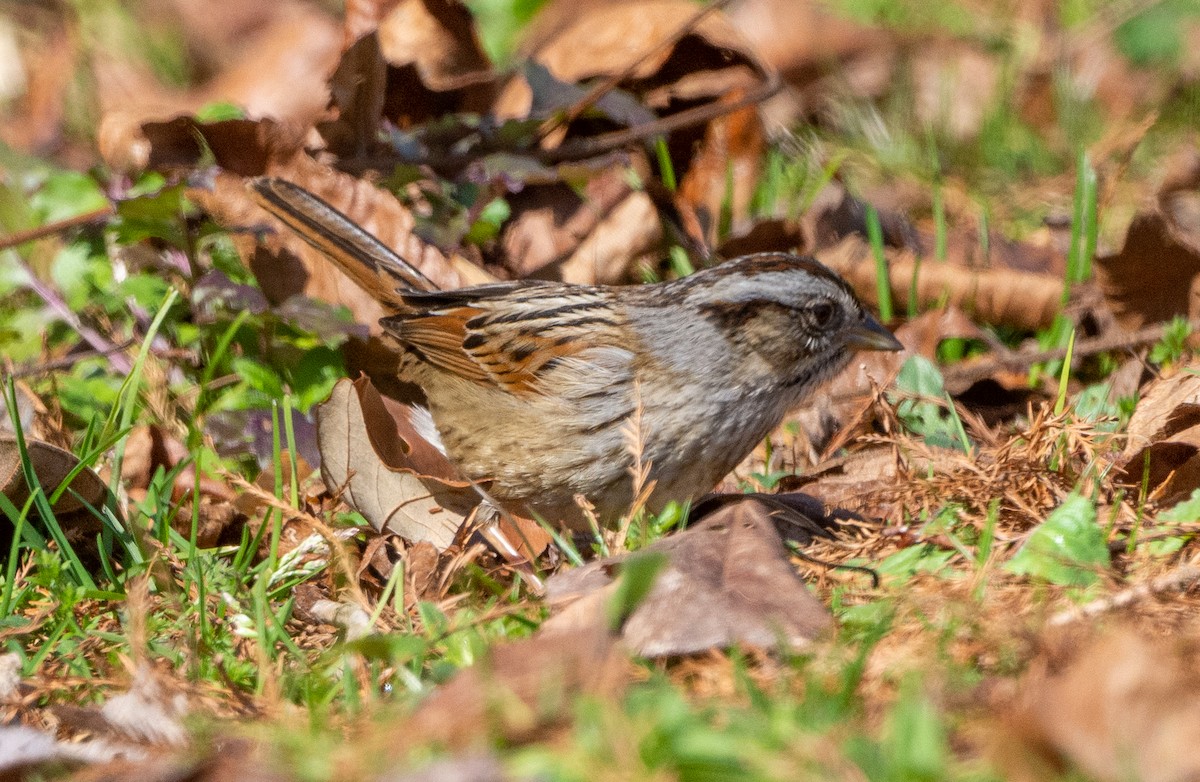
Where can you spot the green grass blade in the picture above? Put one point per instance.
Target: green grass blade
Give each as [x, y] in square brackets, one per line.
[883, 286]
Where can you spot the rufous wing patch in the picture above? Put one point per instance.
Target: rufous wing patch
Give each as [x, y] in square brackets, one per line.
[509, 358]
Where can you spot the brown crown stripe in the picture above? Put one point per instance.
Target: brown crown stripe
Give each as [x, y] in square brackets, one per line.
[762, 263]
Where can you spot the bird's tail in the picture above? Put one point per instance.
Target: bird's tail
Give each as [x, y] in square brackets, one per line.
[366, 260]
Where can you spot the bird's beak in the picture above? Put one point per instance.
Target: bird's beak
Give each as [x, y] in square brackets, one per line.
[871, 335]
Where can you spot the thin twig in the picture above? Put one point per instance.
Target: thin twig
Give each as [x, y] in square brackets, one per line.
[66, 362]
[578, 149]
[607, 85]
[57, 227]
[1021, 360]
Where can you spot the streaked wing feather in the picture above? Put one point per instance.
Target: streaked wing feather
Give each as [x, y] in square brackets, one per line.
[494, 334]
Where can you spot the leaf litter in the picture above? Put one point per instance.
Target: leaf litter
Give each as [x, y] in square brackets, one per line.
[983, 528]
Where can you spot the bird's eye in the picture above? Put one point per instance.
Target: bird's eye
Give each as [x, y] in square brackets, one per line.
[822, 313]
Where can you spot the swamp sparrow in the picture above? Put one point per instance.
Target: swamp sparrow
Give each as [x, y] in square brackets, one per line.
[552, 390]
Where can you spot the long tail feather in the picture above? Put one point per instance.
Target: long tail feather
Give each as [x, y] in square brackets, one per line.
[366, 260]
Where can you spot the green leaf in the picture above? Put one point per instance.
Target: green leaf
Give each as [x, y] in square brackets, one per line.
[921, 383]
[148, 290]
[66, 195]
[259, 376]
[1188, 510]
[313, 378]
[219, 111]
[921, 558]
[915, 742]
[154, 214]
[1153, 36]
[71, 272]
[1067, 548]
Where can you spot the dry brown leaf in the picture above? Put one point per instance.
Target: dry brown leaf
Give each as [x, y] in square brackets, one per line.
[48, 65]
[519, 688]
[998, 296]
[836, 214]
[74, 510]
[1123, 707]
[724, 172]
[283, 56]
[361, 17]
[778, 235]
[581, 40]
[710, 64]
[804, 41]
[437, 39]
[955, 86]
[356, 90]
[391, 475]
[51, 465]
[281, 71]
[409, 62]
[727, 580]
[597, 234]
[1162, 447]
[1154, 276]
[845, 481]
[150, 448]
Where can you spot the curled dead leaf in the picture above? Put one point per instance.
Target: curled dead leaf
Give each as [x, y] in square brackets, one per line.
[51, 465]
[727, 580]
[391, 475]
[672, 58]
[1154, 277]
[1163, 441]
[594, 235]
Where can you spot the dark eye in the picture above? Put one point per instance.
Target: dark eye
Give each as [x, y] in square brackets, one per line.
[822, 313]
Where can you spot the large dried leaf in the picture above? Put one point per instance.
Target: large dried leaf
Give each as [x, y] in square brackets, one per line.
[419, 61]
[727, 580]
[438, 39]
[1154, 276]
[582, 40]
[391, 474]
[999, 296]
[1163, 443]
[596, 235]
[278, 69]
[520, 688]
[716, 163]
[804, 41]
[51, 465]
[1124, 706]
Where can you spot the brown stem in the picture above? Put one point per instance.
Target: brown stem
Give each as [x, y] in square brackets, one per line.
[57, 227]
